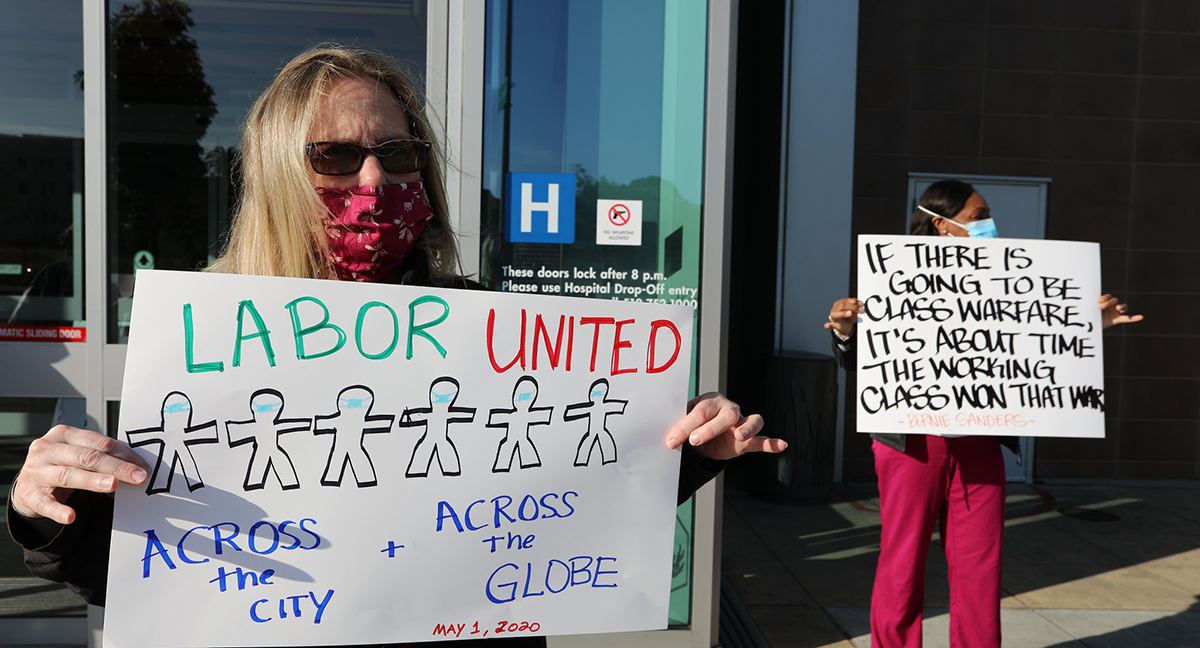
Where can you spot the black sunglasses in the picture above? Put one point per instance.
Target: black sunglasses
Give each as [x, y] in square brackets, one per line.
[345, 158]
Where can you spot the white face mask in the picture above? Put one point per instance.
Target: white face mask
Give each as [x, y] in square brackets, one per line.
[985, 228]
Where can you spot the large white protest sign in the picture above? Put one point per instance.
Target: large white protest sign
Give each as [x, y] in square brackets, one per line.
[979, 336]
[346, 463]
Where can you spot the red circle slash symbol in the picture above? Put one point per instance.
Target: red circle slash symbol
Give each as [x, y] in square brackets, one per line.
[618, 215]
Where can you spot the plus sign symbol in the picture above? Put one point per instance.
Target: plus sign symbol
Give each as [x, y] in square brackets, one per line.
[618, 214]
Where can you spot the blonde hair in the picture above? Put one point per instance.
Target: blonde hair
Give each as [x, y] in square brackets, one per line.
[276, 229]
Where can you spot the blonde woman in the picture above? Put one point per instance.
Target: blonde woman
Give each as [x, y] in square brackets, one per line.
[340, 132]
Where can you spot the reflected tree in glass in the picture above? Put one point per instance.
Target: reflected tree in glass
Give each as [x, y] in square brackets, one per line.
[163, 108]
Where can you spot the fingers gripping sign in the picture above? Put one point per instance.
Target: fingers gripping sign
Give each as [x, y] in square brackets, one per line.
[66, 459]
[843, 315]
[716, 428]
[1113, 312]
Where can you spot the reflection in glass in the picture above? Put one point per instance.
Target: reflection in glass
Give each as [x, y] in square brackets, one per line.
[41, 163]
[612, 92]
[163, 109]
[184, 74]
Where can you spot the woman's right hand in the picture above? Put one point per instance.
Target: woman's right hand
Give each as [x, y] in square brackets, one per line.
[843, 315]
[66, 459]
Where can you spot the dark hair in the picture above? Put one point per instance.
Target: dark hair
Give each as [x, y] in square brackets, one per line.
[946, 198]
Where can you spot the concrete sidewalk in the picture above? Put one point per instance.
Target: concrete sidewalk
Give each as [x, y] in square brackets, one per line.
[1085, 565]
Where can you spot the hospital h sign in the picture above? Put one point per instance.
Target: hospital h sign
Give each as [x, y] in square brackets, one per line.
[539, 208]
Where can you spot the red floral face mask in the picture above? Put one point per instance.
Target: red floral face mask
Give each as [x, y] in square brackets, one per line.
[371, 229]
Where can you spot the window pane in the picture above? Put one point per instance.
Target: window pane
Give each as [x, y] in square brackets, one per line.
[184, 76]
[41, 162]
[609, 93]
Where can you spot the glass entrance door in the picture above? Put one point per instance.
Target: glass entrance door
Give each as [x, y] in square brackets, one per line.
[593, 161]
[42, 327]
[167, 85]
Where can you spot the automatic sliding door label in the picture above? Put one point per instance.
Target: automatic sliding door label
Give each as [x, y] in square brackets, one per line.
[43, 333]
[979, 336]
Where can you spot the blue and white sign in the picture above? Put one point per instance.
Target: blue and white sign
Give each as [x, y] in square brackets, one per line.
[539, 208]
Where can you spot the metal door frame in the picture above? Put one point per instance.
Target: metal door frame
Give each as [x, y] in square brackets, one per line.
[455, 88]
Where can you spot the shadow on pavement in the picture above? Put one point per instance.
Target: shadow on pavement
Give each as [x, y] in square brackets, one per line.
[1075, 555]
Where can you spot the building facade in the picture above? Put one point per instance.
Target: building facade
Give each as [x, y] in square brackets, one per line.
[756, 138]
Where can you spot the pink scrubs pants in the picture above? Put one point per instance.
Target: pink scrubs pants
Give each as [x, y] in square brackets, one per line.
[959, 482]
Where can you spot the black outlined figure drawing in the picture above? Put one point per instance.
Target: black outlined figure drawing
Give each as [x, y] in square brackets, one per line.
[516, 423]
[350, 426]
[174, 437]
[263, 431]
[597, 410]
[436, 419]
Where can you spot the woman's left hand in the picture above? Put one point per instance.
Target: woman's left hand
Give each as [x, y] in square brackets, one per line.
[1112, 312]
[715, 427]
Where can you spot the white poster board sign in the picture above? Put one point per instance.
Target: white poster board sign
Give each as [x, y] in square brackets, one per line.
[979, 336]
[348, 463]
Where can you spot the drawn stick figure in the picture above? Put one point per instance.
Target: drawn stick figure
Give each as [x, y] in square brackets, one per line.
[436, 419]
[263, 431]
[174, 437]
[597, 410]
[350, 426]
[517, 423]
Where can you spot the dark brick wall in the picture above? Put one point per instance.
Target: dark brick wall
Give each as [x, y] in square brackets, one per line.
[1101, 96]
